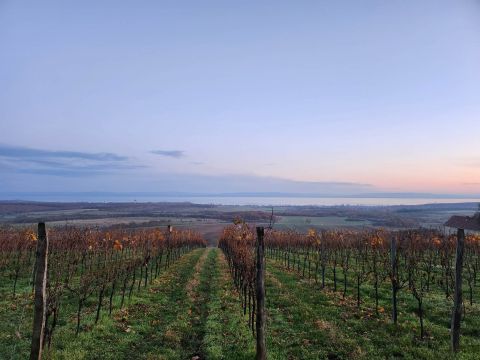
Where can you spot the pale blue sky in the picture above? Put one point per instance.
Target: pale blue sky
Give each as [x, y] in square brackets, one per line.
[377, 93]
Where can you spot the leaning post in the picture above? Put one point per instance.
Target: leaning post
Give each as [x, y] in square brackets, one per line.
[260, 295]
[40, 282]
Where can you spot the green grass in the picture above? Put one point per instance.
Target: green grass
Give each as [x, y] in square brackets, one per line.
[141, 330]
[133, 332]
[192, 309]
[353, 333]
[227, 334]
[15, 318]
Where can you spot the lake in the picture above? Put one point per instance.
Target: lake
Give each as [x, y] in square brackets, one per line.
[243, 200]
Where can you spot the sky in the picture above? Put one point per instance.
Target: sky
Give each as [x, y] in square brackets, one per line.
[337, 97]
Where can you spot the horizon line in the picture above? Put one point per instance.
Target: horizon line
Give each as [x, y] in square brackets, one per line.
[379, 194]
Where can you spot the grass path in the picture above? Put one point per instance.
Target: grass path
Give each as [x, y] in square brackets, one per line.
[198, 293]
[213, 327]
[227, 335]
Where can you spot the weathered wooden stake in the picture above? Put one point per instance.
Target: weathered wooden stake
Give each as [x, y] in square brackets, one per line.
[40, 293]
[260, 295]
[457, 300]
[393, 260]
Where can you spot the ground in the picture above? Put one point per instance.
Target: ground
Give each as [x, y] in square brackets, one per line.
[192, 311]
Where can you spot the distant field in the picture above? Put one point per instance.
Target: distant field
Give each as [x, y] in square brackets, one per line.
[210, 219]
[302, 222]
[110, 221]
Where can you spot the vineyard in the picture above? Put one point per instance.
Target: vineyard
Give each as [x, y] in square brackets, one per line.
[369, 272]
[88, 270]
[161, 294]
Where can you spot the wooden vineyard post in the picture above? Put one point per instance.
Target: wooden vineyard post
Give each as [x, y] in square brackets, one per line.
[40, 293]
[260, 295]
[461, 223]
[169, 234]
[457, 300]
[393, 260]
